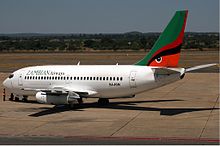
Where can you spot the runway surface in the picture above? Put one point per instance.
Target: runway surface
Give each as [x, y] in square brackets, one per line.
[185, 112]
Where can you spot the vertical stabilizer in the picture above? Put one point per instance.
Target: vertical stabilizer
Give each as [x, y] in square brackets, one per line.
[166, 50]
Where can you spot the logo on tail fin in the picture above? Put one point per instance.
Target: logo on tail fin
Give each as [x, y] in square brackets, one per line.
[166, 50]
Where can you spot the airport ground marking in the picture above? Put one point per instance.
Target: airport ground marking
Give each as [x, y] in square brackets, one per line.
[217, 99]
[126, 123]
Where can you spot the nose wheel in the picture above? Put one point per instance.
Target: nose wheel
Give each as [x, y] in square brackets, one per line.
[11, 97]
[17, 98]
[103, 101]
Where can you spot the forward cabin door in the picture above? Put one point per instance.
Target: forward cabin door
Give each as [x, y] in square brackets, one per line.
[20, 82]
[132, 79]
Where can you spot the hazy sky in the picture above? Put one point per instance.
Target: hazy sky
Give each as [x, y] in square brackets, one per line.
[103, 16]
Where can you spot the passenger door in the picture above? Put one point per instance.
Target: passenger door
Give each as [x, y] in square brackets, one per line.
[132, 79]
[20, 81]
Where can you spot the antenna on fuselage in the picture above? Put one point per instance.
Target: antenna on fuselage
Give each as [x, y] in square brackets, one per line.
[78, 63]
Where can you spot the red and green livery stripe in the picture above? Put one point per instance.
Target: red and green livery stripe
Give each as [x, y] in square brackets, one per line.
[168, 45]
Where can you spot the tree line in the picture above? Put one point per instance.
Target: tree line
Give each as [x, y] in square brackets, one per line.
[87, 42]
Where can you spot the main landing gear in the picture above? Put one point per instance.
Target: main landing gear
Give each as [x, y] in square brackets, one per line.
[103, 101]
[76, 103]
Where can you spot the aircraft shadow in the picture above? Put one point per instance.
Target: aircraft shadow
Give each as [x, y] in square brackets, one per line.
[123, 105]
[29, 101]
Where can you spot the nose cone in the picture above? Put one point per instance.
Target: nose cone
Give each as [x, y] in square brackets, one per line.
[7, 83]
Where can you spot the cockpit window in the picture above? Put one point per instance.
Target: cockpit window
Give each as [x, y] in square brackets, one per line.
[11, 76]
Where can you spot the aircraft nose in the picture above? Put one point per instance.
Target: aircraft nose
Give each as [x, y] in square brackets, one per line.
[7, 83]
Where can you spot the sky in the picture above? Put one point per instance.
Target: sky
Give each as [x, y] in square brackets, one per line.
[104, 16]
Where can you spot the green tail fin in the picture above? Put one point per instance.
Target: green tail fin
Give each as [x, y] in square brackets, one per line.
[166, 50]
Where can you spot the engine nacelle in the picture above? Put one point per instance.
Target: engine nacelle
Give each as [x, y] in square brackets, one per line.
[43, 97]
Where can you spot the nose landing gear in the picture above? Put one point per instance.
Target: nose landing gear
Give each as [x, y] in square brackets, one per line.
[17, 98]
[11, 97]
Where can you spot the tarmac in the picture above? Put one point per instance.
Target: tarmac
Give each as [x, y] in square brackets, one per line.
[185, 112]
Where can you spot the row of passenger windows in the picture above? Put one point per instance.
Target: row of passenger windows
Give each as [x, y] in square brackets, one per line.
[73, 78]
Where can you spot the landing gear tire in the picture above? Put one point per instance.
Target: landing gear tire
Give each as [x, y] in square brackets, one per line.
[24, 99]
[71, 106]
[103, 101]
[16, 98]
[11, 97]
[80, 101]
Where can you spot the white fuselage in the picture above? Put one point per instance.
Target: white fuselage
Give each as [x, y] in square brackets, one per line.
[106, 81]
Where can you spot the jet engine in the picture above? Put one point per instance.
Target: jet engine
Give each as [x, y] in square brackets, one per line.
[56, 99]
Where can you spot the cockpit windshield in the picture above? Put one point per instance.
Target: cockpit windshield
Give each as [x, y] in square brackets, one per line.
[11, 76]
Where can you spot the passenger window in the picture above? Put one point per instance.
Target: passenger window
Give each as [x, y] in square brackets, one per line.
[58, 78]
[64, 78]
[103, 78]
[84, 78]
[110, 78]
[71, 78]
[100, 78]
[90, 78]
[67, 78]
[107, 78]
[52, 78]
[94, 78]
[97, 78]
[121, 78]
[117, 78]
[74, 78]
[113, 78]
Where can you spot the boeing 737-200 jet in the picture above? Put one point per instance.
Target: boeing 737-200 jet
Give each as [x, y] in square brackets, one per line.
[66, 84]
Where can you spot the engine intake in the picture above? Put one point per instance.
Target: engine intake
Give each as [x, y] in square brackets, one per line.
[43, 97]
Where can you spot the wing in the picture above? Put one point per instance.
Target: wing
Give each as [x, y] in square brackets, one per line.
[200, 67]
[71, 91]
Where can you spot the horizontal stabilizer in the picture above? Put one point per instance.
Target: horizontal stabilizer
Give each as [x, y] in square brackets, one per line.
[166, 71]
[200, 67]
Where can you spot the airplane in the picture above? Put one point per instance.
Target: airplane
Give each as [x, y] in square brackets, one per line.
[69, 84]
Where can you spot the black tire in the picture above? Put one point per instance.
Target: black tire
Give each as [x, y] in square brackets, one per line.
[103, 101]
[11, 97]
[80, 101]
[16, 98]
[24, 99]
